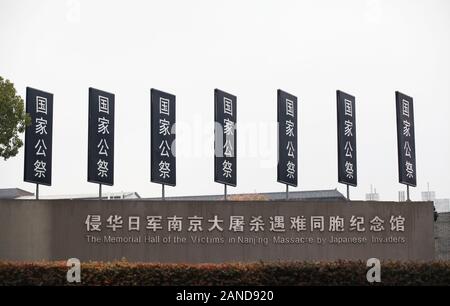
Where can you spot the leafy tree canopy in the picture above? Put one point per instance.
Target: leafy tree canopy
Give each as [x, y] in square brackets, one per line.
[13, 119]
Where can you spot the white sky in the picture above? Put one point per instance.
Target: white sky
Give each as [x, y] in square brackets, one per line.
[248, 48]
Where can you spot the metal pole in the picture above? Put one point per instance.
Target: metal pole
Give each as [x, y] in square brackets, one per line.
[225, 191]
[99, 191]
[348, 192]
[163, 192]
[287, 192]
[37, 191]
[407, 194]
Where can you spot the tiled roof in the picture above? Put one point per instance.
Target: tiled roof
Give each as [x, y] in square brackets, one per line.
[323, 195]
[12, 193]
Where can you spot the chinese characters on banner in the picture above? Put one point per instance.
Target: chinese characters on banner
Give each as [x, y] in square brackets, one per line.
[38, 137]
[225, 167]
[405, 139]
[346, 119]
[162, 117]
[287, 138]
[101, 137]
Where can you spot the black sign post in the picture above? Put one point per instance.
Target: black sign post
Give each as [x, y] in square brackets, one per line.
[163, 150]
[225, 139]
[406, 145]
[38, 138]
[101, 138]
[346, 120]
[287, 140]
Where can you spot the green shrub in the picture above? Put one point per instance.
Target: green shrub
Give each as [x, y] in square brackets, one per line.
[277, 274]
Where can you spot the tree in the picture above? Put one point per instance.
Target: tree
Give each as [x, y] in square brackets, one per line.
[13, 119]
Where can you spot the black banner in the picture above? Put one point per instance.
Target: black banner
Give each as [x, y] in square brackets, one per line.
[38, 137]
[225, 166]
[163, 150]
[287, 138]
[101, 137]
[406, 145]
[346, 120]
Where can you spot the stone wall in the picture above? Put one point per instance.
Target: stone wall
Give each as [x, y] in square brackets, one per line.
[229, 231]
[442, 236]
